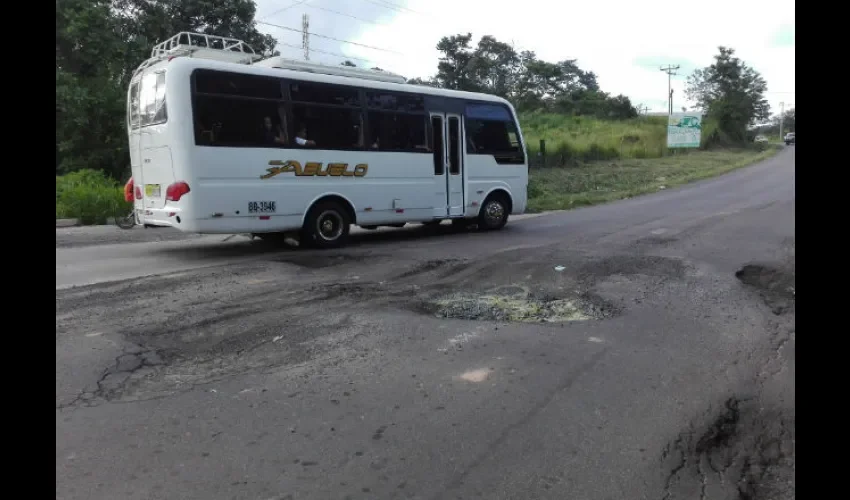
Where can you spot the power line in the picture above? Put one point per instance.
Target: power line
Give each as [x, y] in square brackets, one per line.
[392, 6]
[344, 14]
[278, 11]
[319, 51]
[331, 38]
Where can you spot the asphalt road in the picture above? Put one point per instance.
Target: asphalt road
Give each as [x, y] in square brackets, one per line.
[638, 350]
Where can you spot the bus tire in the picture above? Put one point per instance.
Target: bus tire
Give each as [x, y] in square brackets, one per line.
[326, 226]
[494, 212]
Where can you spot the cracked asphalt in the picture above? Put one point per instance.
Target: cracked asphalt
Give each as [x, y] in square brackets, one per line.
[656, 361]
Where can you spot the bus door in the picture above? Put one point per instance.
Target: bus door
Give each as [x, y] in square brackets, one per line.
[447, 133]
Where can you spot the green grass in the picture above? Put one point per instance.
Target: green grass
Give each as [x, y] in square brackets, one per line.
[89, 196]
[599, 182]
[575, 139]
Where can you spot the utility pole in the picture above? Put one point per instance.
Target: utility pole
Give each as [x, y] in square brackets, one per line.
[781, 119]
[670, 70]
[305, 36]
[642, 109]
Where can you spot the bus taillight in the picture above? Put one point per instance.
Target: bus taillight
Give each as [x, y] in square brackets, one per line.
[138, 193]
[176, 191]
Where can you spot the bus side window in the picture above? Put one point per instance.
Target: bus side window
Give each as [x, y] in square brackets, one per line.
[329, 113]
[329, 127]
[236, 123]
[397, 122]
[237, 110]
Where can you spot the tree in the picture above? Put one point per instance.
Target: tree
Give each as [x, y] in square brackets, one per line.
[148, 22]
[731, 94]
[419, 81]
[348, 63]
[454, 70]
[495, 67]
[99, 43]
[790, 120]
[89, 92]
[529, 83]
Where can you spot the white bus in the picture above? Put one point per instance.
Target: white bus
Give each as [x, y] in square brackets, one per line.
[275, 146]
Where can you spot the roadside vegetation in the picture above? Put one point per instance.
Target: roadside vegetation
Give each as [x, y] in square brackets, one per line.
[572, 140]
[553, 188]
[90, 196]
[597, 147]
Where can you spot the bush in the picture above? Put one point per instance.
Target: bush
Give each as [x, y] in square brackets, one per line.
[90, 196]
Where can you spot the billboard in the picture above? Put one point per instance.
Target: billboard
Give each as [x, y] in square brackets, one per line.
[683, 130]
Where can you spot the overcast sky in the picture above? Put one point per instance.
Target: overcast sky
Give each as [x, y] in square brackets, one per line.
[624, 42]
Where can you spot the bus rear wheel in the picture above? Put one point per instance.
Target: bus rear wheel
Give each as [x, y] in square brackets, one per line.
[494, 212]
[327, 226]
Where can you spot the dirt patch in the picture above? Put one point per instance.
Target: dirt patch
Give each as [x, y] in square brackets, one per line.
[517, 304]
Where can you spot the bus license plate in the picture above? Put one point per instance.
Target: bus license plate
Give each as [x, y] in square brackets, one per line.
[153, 190]
[261, 207]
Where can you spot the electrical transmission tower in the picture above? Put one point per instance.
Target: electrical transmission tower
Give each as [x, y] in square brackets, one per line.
[670, 70]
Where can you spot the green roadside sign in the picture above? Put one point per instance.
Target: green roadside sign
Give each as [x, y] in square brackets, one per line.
[684, 130]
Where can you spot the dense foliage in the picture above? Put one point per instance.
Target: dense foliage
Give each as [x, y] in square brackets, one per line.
[98, 45]
[529, 83]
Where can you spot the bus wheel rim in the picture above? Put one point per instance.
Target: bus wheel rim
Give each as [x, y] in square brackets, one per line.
[329, 225]
[494, 211]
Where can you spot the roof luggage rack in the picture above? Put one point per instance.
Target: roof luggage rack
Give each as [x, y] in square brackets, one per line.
[219, 48]
[214, 47]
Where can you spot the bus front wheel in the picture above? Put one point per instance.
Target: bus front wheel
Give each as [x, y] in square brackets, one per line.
[327, 225]
[494, 212]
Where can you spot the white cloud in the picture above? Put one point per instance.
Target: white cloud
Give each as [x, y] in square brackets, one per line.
[618, 40]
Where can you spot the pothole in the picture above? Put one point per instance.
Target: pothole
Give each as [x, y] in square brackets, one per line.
[776, 286]
[518, 304]
[768, 279]
[745, 451]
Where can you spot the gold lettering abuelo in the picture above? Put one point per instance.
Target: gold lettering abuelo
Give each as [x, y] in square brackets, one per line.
[313, 169]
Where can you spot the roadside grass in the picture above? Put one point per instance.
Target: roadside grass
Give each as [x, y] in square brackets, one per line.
[89, 196]
[563, 188]
[576, 139]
